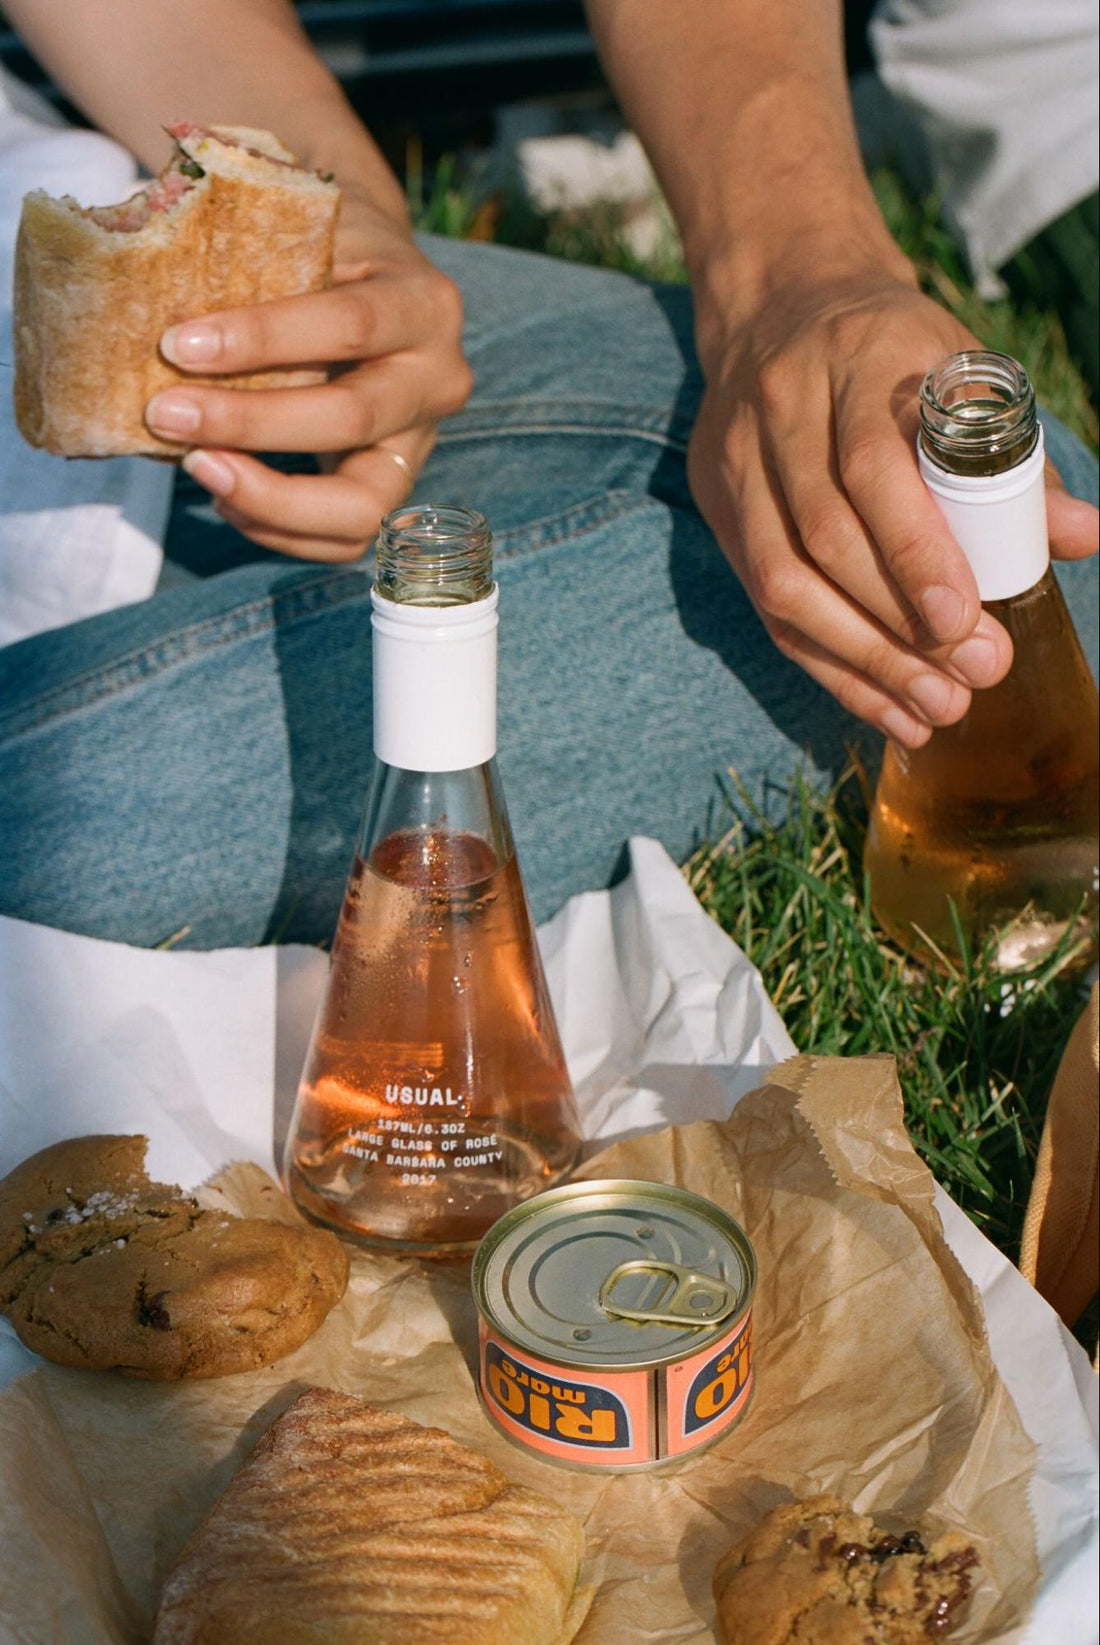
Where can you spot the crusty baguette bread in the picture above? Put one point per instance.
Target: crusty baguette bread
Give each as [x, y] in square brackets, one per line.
[91, 301]
[350, 1525]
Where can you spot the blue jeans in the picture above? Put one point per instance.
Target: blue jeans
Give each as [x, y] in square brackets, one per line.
[199, 760]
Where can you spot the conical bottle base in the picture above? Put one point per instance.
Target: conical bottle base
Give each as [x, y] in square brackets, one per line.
[426, 1218]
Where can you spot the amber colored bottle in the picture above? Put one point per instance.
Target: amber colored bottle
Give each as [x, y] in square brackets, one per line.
[997, 815]
[435, 1094]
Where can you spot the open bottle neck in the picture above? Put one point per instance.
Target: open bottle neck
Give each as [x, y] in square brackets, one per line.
[977, 414]
[981, 455]
[434, 625]
[437, 555]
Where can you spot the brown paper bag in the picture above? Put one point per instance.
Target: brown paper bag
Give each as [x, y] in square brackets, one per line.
[874, 1380]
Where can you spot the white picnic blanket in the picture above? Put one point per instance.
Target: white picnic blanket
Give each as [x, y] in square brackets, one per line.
[663, 1021]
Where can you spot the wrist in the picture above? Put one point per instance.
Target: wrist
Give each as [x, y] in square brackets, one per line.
[801, 216]
[333, 140]
[740, 277]
[379, 197]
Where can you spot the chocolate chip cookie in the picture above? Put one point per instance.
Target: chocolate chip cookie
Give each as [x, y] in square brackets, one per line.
[104, 1269]
[815, 1573]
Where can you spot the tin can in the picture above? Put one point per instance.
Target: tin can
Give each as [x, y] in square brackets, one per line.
[615, 1324]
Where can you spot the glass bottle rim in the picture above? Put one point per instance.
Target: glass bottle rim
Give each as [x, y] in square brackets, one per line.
[434, 554]
[977, 404]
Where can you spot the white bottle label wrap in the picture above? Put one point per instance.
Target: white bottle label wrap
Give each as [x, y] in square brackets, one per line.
[435, 684]
[998, 520]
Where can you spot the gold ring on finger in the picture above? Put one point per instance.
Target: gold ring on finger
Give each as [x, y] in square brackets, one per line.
[402, 462]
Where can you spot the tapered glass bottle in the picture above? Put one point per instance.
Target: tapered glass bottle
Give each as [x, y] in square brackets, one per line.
[997, 815]
[435, 1094]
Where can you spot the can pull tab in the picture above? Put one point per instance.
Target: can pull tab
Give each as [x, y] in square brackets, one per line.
[686, 1297]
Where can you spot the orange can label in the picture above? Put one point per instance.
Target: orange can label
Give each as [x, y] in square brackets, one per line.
[708, 1392]
[594, 1420]
[615, 1322]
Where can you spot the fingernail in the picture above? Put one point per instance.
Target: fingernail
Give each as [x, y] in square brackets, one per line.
[943, 610]
[933, 695]
[172, 414]
[976, 659]
[191, 344]
[211, 472]
[899, 725]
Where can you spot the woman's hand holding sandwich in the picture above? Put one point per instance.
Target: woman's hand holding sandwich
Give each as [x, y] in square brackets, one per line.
[388, 329]
[390, 332]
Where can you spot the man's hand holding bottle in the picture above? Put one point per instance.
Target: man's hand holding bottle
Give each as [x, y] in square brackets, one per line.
[803, 463]
[813, 339]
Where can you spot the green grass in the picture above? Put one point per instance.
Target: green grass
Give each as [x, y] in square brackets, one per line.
[976, 1055]
[975, 1060]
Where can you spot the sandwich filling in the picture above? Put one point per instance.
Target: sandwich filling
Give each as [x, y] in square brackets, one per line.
[162, 194]
[166, 191]
[178, 179]
[185, 131]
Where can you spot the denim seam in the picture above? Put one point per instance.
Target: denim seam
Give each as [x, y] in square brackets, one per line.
[566, 524]
[242, 622]
[645, 411]
[485, 423]
[329, 589]
[495, 332]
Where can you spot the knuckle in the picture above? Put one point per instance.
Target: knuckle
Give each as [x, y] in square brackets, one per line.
[226, 419]
[352, 419]
[737, 445]
[850, 693]
[457, 388]
[446, 301]
[907, 555]
[776, 593]
[355, 321]
[848, 330]
[826, 537]
[863, 460]
[784, 636]
[880, 662]
[772, 389]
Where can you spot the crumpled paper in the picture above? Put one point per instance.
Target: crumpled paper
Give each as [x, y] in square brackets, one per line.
[874, 1373]
[874, 1380]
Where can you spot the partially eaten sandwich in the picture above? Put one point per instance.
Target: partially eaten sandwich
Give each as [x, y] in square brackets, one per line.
[350, 1525]
[231, 220]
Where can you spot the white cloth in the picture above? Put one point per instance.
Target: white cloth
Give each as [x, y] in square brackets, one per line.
[663, 1021]
[76, 537]
[1004, 94]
